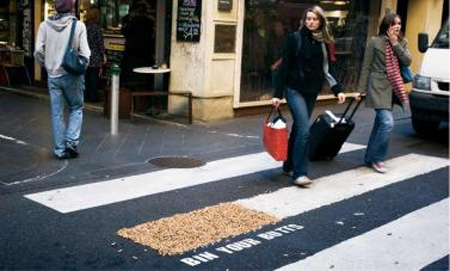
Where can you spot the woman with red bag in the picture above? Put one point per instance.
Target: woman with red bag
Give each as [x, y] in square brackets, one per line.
[304, 70]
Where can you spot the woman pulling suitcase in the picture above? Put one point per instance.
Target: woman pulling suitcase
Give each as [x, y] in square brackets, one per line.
[303, 71]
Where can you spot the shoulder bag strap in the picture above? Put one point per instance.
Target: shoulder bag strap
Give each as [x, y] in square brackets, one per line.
[74, 23]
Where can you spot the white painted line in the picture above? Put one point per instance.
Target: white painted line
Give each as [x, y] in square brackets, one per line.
[86, 196]
[292, 201]
[348, 147]
[13, 139]
[97, 194]
[408, 243]
[39, 177]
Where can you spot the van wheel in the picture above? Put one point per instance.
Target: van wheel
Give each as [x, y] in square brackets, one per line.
[424, 127]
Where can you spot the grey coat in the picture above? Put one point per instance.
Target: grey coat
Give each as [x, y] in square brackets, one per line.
[373, 80]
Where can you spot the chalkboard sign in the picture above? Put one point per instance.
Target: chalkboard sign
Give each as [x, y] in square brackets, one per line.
[189, 20]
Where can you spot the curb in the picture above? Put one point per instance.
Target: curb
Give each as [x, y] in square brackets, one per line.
[88, 107]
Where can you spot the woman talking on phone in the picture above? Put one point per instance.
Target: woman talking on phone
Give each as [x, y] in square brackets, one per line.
[382, 83]
[303, 72]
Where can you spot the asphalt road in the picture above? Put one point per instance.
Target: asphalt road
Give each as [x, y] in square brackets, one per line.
[65, 215]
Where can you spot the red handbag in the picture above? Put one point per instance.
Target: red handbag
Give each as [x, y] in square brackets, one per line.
[275, 139]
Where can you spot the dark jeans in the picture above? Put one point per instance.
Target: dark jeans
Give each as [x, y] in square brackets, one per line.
[301, 107]
[92, 81]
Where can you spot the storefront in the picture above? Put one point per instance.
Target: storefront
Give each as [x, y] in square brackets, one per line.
[228, 79]
[222, 50]
[16, 41]
[8, 22]
[266, 24]
[112, 16]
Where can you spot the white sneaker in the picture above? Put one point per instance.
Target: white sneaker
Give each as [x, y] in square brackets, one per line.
[303, 181]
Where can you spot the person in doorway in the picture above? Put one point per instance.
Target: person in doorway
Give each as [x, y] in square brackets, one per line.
[382, 82]
[51, 43]
[139, 34]
[98, 57]
[302, 75]
[275, 47]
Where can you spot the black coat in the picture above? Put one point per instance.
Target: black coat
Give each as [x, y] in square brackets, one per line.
[301, 70]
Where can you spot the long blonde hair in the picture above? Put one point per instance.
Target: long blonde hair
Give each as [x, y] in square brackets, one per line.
[327, 37]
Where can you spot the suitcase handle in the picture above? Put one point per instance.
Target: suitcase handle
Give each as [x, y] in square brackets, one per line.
[348, 107]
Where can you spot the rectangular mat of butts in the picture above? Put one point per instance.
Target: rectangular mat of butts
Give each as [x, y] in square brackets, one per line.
[184, 232]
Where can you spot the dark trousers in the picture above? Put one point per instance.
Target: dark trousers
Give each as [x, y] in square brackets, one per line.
[92, 82]
[301, 107]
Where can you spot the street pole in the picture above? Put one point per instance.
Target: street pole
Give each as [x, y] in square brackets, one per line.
[115, 71]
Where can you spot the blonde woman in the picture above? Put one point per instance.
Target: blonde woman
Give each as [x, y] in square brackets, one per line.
[302, 74]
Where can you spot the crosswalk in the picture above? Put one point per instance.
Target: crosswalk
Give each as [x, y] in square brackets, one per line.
[397, 245]
[391, 246]
[337, 187]
[87, 196]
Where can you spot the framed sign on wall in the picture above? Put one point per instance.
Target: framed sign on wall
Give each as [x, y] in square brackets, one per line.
[225, 5]
[225, 38]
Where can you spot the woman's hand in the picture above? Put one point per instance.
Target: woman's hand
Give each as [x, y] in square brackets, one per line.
[276, 102]
[341, 98]
[393, 36]
[358, 97]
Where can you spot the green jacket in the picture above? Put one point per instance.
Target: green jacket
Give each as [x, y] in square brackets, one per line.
[373, 80]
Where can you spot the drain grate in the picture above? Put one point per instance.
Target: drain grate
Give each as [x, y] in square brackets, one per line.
[176, 162]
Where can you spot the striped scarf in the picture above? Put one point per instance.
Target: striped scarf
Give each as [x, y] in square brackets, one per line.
[393, 73]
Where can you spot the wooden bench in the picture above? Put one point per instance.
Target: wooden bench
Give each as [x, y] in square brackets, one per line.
[156, 93]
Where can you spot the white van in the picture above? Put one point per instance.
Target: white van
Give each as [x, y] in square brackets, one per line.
[430, 93]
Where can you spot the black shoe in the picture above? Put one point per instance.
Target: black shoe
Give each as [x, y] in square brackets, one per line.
[64, 155]
[72, 151]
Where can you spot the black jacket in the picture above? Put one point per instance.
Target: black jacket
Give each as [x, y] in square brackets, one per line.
[302, 70]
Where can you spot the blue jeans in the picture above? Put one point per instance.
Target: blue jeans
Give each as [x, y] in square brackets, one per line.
[301, 107]
[66, 89]
[379, 138]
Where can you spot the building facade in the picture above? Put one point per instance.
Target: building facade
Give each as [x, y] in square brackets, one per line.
[223, 50]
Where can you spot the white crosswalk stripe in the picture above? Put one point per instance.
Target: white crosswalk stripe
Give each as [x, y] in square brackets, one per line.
[293, 201]
[91, 195]
[408, 243]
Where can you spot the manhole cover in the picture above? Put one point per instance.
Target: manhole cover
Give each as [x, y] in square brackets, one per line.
[176, 162]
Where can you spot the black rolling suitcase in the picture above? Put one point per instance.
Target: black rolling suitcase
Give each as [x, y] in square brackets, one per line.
[328, 133]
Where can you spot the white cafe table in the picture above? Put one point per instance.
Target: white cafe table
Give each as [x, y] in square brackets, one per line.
[153, 93]
[150, 70]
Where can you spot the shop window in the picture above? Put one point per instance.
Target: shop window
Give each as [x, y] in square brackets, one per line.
[8, 26]
[266, 24]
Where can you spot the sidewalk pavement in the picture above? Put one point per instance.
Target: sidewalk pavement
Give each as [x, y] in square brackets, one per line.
[26, 142]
